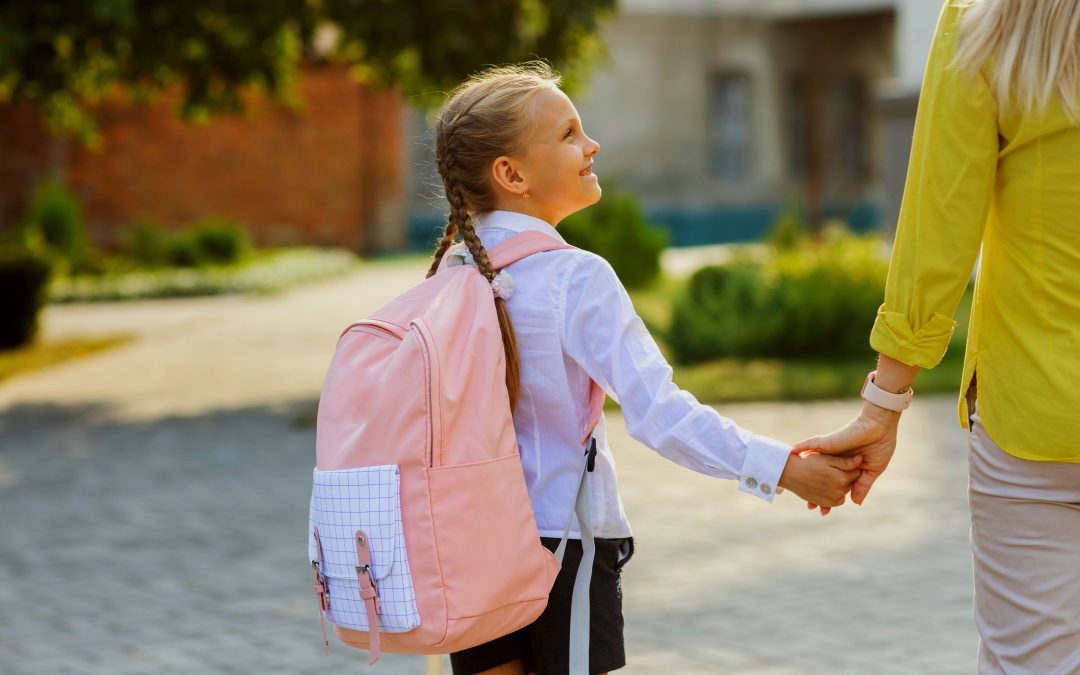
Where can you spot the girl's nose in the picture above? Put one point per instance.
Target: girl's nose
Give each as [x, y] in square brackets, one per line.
[594, 149]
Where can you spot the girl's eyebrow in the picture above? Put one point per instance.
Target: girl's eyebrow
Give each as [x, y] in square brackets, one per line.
[569, 121]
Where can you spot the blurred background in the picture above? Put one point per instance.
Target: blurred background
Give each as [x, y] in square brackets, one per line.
[716, 115]
[196, 197]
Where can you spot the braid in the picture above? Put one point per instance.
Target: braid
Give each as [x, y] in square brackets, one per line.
[485, 117]
[510, 350]
[447, 164]
[513, 366]
[446, 242]
[479, 253]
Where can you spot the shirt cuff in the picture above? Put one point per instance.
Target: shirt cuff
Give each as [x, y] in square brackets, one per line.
[893, 336]
[765, 461]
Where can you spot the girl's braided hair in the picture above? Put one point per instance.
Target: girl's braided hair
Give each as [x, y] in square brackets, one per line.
[487, 116]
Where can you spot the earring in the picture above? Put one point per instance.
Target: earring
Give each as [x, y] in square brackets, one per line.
[525, 194]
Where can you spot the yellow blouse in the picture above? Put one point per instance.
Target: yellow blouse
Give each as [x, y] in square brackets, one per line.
[1010, 182]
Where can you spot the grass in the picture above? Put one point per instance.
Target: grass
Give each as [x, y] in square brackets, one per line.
[39, 355]
[729, 380]
[267, 271]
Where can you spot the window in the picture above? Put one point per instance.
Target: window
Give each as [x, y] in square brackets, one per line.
[848, 121]
[729, 127]
[798, 133]
[826, 126]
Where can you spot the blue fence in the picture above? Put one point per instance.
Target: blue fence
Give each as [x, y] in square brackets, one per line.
[688, 227]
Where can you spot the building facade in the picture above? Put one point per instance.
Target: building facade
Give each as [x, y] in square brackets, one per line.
[330, 172]
[721, 114]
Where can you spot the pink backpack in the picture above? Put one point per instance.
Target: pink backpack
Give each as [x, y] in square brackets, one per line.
[422, 538]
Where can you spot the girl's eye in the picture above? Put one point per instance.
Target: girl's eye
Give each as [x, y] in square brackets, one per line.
[569, 133]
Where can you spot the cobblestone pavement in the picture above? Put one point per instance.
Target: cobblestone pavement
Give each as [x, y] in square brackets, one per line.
[154, 499]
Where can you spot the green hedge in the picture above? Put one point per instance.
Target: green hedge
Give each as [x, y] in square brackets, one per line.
[616, 229]
[24, 278]
[53, 225]
[815, 299]
[211, 241]
[267, 271]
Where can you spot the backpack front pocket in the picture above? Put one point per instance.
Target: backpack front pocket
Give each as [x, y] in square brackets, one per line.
[367, 500]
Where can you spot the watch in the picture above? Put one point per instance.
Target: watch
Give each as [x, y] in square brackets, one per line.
[884, 399]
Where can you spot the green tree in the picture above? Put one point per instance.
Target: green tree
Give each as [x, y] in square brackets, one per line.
[64, 56]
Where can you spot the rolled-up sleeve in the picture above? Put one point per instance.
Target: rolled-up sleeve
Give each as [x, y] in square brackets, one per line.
[946, 202]
[603, 334]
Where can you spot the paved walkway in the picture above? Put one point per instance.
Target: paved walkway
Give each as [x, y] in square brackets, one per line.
[154, 503]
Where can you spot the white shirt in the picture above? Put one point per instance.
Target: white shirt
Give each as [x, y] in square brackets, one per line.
[573, 321]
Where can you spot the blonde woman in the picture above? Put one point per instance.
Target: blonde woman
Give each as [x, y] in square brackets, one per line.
[995, 166]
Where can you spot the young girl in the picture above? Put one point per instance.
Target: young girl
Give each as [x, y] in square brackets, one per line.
[513, 156]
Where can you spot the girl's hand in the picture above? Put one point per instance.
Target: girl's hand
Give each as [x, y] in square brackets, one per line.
[871, 435]
[820, 479]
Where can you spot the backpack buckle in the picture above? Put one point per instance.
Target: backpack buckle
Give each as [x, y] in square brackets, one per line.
[363, 570]
[321, 589]
[459, 256]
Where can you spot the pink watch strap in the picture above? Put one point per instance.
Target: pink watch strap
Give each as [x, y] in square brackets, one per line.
[884, 399]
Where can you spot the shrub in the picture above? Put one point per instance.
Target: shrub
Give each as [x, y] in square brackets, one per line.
[54, 222]
[212, 241]
[219, 241]
[788, 231]
[813, 300]
[616, 229]
[24, 276]
[147, 244]
[183, 251]
[269, 273]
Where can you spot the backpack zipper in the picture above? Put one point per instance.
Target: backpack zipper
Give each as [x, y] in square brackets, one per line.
[431, 371]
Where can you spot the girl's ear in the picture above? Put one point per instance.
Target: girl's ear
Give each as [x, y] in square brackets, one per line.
[505, 174]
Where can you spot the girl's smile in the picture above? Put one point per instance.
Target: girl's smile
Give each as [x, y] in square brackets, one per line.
[540, 181]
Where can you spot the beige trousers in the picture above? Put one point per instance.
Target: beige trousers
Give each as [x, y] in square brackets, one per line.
[1025, 541]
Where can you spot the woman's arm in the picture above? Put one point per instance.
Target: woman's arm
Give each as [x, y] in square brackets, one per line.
[947, 196]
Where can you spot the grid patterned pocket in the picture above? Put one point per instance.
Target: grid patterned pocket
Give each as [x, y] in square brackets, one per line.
[367, 499]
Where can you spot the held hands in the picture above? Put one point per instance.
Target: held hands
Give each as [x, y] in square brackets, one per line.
[819, 478]
[871, 436]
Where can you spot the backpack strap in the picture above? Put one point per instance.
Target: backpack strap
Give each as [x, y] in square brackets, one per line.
[510, 251]
[322, 593]
[596, 409]
[518, 246]
[522, 245]
[369, 592]
[513, 249]
[580, 614]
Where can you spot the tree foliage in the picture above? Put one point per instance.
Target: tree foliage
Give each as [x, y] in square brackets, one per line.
[64, 55]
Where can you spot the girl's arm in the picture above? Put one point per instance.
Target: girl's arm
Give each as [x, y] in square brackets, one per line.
[604, 335]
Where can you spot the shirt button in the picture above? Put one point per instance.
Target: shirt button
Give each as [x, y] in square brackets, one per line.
[765, 488]
[751, 482]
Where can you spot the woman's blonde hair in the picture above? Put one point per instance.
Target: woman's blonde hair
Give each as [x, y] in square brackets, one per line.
[487, 116]
[1034, 46]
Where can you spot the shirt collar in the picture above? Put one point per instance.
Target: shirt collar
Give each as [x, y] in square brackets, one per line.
[515, 222]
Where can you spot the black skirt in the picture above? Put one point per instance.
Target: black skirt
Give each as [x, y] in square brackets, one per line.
[545, 644]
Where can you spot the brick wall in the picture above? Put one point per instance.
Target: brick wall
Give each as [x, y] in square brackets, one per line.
[26, 153]
[329, 173]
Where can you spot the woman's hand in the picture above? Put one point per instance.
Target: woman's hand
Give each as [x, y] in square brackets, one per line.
[820, 479]
[871, 435]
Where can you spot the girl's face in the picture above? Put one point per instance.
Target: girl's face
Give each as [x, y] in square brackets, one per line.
[555, 170]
